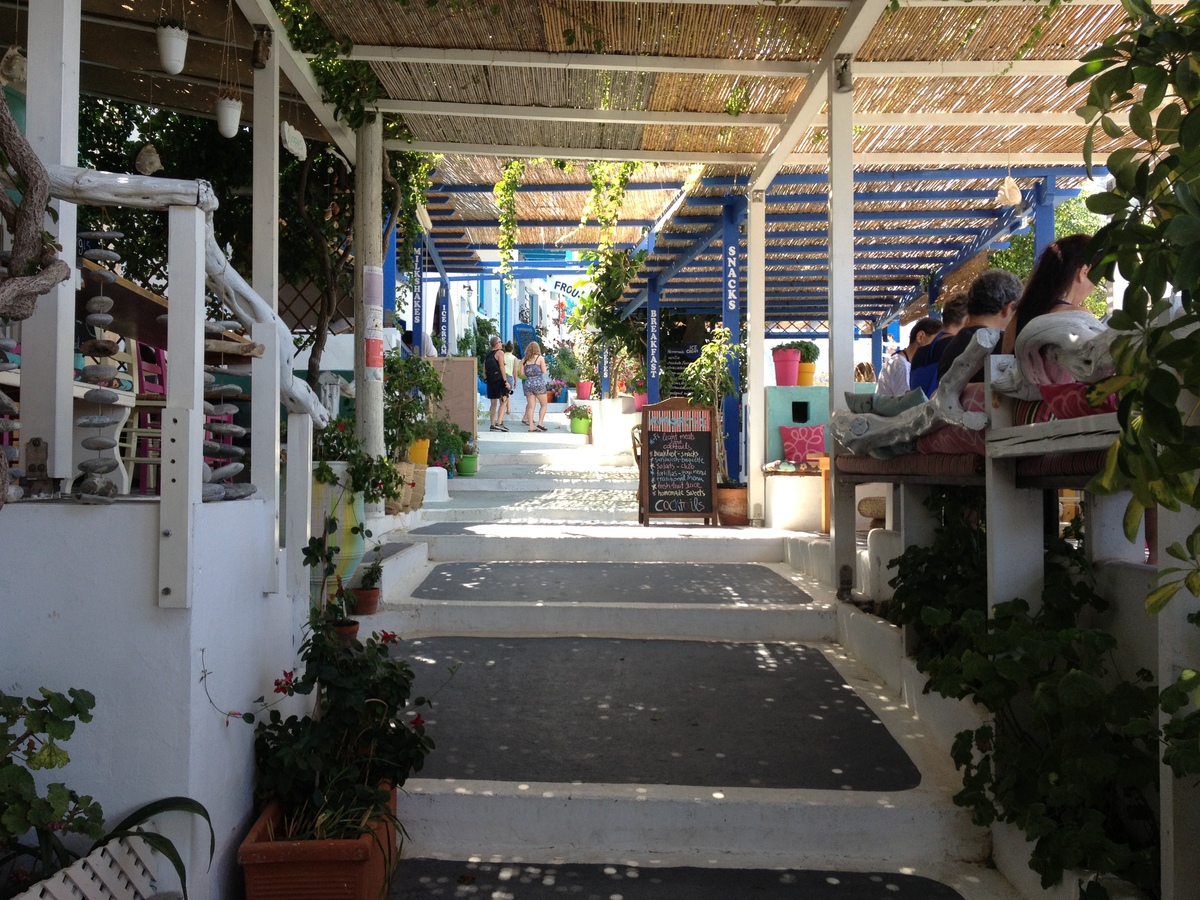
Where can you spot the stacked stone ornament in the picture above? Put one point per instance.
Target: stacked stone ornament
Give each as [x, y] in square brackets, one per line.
[218, 483]
[95, 487]
[8, 425]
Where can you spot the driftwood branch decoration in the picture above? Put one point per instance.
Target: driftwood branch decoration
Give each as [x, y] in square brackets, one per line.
[1056, 348]
[89, 187]
[34, 267]
[863, 432]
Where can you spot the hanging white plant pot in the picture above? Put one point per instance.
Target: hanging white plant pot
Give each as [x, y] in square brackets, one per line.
[229, 116]
[172, 47]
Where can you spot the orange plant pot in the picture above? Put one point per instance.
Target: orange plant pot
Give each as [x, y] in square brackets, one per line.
[357, 869]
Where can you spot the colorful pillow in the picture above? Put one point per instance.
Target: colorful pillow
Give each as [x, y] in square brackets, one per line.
[1069, 401]
[799, 441]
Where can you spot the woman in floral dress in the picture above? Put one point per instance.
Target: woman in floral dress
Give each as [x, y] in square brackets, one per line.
[535, 385]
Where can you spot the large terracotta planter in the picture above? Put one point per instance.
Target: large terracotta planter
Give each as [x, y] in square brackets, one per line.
[731, 503]
[366, 601]
[805, 372]
[786, 362]
[357, 869]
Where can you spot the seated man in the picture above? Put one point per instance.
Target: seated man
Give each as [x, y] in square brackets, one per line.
[923, 373]
[893, 374]
[991, 302]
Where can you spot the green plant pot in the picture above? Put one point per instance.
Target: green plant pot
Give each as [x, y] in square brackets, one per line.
[467, 464]
[581, 426]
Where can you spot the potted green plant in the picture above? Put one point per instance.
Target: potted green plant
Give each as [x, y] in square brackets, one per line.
[709, 381]
[580, 417]
[411, 389]
[327, 780]
[366, 595]
[808, 362]
[637, 387]
[468, 460]
[41, 818]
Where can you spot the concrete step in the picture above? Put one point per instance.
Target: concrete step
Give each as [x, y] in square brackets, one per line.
[562, 505]
[502, 542]
[576, 457]
[674, 601]
[685, 753]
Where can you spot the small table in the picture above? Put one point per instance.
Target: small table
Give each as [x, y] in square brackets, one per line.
[796, 501]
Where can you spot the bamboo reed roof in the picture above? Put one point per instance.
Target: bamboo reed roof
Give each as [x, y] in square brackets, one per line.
[700, 88]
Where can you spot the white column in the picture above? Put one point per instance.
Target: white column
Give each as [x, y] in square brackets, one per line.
[47, 337]
[265, 377]
[182, 430]
[841, 305]
[368, 290]
[756, 329]
[299, 495]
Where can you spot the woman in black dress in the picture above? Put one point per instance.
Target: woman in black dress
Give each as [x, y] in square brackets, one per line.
[497, 385]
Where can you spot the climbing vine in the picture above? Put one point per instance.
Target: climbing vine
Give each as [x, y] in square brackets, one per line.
[505, 193]
[609, 181]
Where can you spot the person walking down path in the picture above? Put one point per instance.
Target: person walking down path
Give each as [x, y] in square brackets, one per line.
[535, 385]
[497, 385]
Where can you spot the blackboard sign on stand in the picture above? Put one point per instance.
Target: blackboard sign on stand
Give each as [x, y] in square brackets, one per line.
[678, 471]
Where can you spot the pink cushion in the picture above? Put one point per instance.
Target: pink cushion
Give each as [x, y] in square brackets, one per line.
[801, 440]
[955, 438]
[1069, 401]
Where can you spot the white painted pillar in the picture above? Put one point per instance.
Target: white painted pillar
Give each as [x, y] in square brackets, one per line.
[47, 337]
[756, 330]
[299, 503]
[265, 376]
[1104, 534]
[368, 291]
[182, 418]
[841, 306]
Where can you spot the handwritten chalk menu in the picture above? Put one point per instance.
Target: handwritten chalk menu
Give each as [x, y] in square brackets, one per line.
[678, 462]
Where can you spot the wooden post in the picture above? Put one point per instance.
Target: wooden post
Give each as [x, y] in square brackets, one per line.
[182, 430]
[264, 373]
[47, 337]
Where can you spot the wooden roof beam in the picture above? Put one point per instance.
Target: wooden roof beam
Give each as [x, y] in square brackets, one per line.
[854, 28]
[605, 62]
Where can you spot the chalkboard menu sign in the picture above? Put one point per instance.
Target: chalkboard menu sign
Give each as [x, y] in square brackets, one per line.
[678, 462]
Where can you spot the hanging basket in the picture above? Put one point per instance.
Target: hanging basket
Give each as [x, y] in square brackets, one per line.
[229, 116]
[172, 47]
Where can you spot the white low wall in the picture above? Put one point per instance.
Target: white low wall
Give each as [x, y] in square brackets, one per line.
[80, 602]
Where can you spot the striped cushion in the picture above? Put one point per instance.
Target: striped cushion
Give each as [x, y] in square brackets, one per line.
[944, 465]
[1062, 465]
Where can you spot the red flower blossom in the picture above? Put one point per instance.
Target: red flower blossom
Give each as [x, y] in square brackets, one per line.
[284, 685]
[341, 426]
[389, 637]
[417, 721]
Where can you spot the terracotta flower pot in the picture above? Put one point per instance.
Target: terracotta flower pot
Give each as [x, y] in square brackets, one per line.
[351, 869]
[731, 502]
[366, 601]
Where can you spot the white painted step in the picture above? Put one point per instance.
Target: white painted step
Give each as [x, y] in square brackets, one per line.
[917, 829]
[560, 505]
[503, 542]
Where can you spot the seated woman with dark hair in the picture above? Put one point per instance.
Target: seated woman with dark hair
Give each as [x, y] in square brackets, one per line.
[1059, 283]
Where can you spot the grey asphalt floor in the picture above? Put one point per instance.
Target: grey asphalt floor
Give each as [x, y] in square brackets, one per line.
[563, 710]
[732, 583]
[422, 879]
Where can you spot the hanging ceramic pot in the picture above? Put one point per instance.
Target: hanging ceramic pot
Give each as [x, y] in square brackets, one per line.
[172, 47]
[229, 116]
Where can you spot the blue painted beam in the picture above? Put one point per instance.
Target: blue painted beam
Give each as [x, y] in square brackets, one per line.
[549, 188]
[861, 197]
[670, 271]
[870, 215]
